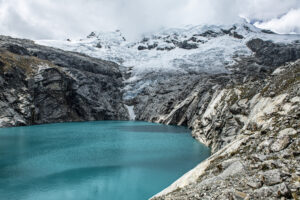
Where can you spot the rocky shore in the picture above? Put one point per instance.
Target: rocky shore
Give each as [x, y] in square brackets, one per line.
[253, 129]
[250, 119]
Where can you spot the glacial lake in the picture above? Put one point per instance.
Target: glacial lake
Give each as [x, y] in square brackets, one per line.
[107, 160]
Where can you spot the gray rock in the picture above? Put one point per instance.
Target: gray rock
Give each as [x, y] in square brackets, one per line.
[280, 144]
[271, 177]
[234, 168]
[254, 184]
[265, 164]
[287, 132]
[56, 86]
[283, 191]
[271, 54]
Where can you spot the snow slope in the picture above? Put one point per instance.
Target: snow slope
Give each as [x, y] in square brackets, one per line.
[188, 49]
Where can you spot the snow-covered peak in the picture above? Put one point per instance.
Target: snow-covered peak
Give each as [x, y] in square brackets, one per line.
[107, 39]
[188, 49]
[190, 30]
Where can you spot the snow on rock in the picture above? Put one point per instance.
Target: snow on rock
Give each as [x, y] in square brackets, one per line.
[40, 69]
[184, 50]
[131, 112]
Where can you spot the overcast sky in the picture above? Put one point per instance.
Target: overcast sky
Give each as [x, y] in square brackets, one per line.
[60, 19]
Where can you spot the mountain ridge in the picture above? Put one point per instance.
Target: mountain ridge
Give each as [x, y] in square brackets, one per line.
[187, 50]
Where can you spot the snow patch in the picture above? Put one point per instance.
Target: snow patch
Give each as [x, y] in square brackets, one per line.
[131, 113]
[278, 70]
[41, 68]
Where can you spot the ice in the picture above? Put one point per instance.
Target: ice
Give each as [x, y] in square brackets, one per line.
[213, 55]
[131, 112]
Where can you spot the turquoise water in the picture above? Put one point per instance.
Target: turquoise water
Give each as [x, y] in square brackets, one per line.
[107, 160]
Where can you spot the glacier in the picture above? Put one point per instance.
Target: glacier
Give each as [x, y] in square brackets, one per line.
[170, 51]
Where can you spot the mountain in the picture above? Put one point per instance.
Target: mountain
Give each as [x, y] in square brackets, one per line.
[252, 126]
[176, 51]
[236, 87]
[46, 85]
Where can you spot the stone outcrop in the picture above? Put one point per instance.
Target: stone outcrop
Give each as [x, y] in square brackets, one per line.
[44, 85]
[272, 54]
[207, 103]
[260, 157]
[249, 118]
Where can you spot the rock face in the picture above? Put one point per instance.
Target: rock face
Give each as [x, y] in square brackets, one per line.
[276, 53]
[44, 85]
[217, 106]
[250, 119]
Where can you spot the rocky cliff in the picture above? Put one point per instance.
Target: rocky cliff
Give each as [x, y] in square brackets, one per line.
[192, 99]
[40, 84]
[250, 119]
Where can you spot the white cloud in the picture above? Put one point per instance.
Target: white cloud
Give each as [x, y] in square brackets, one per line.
[288, 23]
[39, 19]
[267, 9]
